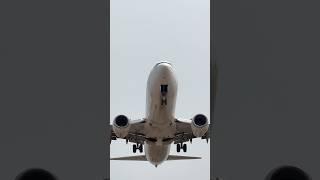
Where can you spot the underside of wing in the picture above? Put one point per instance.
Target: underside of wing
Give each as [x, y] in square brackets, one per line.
[185, 133]
[134, 132]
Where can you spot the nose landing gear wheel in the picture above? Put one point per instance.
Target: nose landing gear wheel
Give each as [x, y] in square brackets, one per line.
[163, 100]
[164, 91]
[178, 147]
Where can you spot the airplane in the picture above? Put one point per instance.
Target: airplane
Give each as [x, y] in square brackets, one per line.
[160, 127]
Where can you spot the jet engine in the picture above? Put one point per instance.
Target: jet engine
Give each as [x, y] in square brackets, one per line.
[199, 125]
[121, 126]
[288, 173]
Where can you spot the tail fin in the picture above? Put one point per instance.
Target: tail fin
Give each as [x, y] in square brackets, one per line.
[143, 158]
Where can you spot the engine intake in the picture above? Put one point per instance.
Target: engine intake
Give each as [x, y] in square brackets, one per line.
[199, 125]
[121, 126]
[287, 173]
[200, 120]
[121, 121]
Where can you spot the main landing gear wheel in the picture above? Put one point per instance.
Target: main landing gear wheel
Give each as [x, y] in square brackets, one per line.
[163, 100]
[182, 146]
[134, 148]
[178, 147]
[137, 146]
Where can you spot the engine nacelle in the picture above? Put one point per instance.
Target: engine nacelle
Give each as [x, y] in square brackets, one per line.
[121, 126]
[287, 173]
[199, 125]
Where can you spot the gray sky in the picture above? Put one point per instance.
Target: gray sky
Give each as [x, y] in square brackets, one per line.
[142, 33]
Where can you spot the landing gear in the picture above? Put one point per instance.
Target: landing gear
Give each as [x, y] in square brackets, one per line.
[163, 100]
[134, 148]
[178, 147]
[182, 146]
[137, 146]
[164, 90]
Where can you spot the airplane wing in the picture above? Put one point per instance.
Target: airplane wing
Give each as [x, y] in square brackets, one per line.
[184, 132]
[136, 132]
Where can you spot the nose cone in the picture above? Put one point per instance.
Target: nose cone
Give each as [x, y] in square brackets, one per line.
[164, 68]
[163, 62]
[162, 73]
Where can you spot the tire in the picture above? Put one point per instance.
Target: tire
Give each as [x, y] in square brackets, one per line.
[185, 148]
[178, 147]
[134, 148]
[141, 148]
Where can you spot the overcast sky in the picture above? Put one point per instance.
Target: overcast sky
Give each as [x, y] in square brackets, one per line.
[143, 33]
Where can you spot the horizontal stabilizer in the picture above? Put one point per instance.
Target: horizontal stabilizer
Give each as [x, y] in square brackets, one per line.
[174, 157]
[143, 158]
[131, 158]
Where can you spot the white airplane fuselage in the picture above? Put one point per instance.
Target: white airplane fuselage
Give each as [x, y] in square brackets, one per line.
[160, 124]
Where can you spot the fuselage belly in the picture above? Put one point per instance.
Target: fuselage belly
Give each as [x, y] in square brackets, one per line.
[160, 112]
